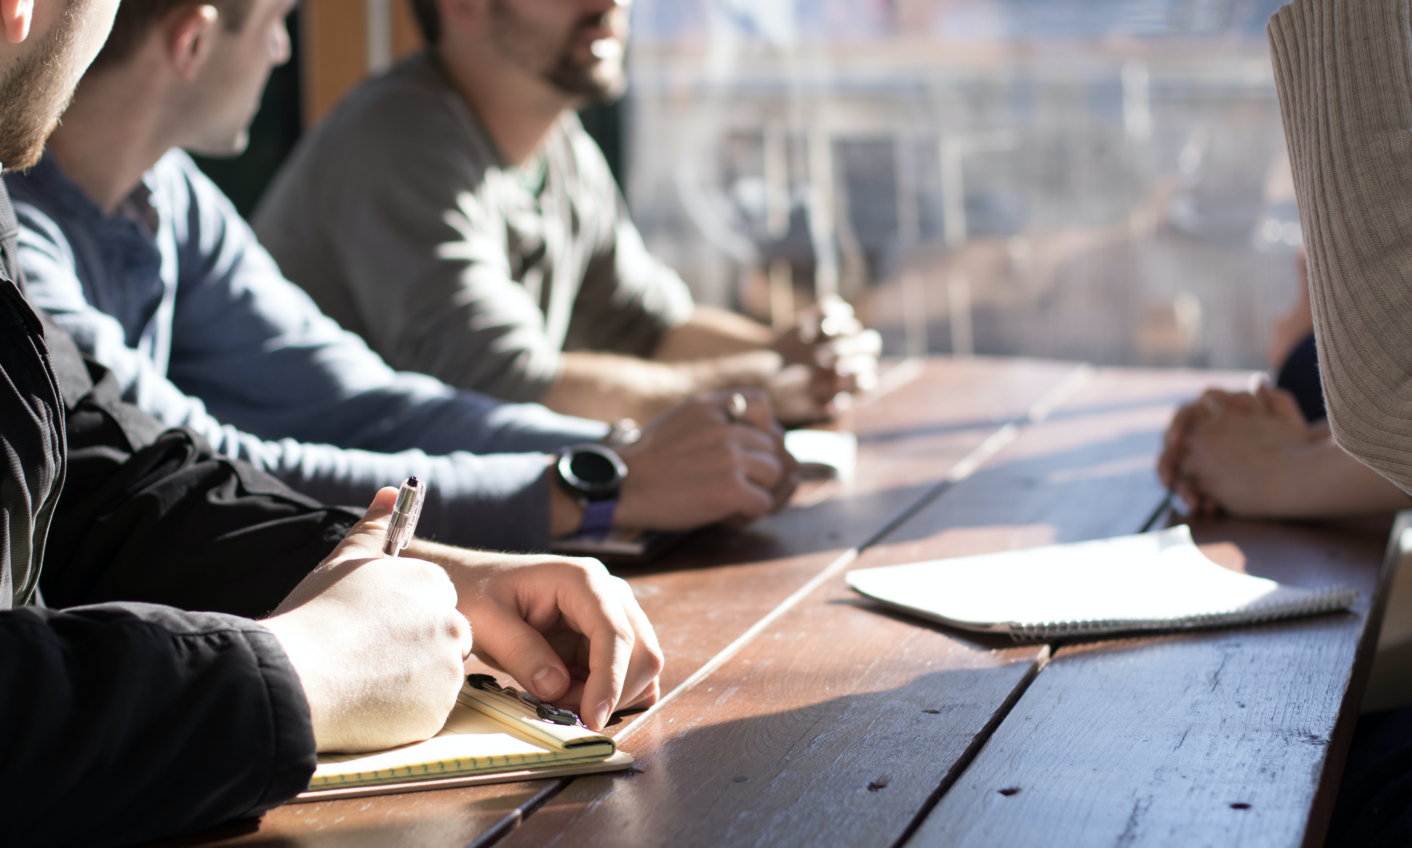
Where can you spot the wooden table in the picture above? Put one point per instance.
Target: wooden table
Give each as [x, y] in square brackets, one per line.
[797, 713]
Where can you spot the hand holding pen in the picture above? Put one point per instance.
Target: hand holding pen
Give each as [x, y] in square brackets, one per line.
[378, 642]
[527, 608]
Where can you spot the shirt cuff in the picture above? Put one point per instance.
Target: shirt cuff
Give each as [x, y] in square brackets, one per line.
[294, 757]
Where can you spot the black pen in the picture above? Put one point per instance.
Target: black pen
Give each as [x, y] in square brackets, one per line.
[404, 517]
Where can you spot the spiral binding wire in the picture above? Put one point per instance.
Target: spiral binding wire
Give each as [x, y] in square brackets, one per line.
[1340, 596]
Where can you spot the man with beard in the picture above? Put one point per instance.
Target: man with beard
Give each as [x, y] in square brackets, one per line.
[455, 214]
[123, 722]
[147, 264]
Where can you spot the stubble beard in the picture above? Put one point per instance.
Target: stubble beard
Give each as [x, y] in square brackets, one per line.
[597, 81]
[36, 91]
[601, 82]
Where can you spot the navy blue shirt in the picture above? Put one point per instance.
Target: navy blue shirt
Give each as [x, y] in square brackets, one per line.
[174, 294]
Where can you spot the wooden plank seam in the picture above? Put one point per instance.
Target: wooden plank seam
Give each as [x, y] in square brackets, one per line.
[994, 443]
[512, 819]
[973, 750]
[968, 465]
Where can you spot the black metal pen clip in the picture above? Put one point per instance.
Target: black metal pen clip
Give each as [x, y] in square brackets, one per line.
[546, 712]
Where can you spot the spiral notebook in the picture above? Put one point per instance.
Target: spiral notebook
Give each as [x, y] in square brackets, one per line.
[1152, 581]
[493, 735]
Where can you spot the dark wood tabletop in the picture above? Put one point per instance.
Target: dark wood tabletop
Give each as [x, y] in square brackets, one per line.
[796, 712]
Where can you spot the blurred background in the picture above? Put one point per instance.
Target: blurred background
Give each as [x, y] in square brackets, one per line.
[1101, 180]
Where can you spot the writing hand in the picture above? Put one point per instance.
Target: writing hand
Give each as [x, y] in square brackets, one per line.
[378, 644]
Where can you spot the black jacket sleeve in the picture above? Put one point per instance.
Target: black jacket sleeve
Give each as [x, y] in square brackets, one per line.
[122, 723]
[155, 515]
[126, 722]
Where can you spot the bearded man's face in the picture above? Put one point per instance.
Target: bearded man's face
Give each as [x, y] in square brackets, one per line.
[38, 85]
[579, 51]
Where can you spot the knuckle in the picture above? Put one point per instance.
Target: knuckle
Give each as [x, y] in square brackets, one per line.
[589, 565]
[458, 628]
[654, 660]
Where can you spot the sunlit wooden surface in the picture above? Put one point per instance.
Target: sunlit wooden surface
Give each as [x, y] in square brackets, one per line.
[796, 713]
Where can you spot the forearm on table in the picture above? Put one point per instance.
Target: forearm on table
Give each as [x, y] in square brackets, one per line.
[1343, 72]
[608, 387]
[712, 332]
[1332, 484]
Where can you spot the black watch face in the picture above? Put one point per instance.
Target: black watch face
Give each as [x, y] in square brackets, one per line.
[592, 470]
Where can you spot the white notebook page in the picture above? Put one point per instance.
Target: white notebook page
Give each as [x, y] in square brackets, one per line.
[1147, 581]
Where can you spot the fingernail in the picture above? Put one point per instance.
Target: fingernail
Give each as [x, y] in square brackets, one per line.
[548, 682]
[600, 715]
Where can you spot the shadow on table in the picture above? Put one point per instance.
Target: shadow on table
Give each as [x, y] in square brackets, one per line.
[837, 524]
[1097, 489]
[764, 765]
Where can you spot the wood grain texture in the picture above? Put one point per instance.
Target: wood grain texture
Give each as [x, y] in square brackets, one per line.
[706, 593]
[839, 723]
[832, 727]
[1085, 473]
[1218, 738]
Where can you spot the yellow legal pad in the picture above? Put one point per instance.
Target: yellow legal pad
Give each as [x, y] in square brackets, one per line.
[490, 737]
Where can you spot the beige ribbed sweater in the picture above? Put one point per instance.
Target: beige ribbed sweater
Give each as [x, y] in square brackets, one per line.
[1343, 69]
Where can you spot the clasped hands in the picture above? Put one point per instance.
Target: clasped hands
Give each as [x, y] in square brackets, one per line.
[379, 644]
[827, 355]
[1239, 452]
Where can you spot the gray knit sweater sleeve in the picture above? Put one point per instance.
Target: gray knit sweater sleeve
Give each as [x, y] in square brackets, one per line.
[1343, 69]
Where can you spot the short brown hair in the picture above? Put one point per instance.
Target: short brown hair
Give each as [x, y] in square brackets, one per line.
[428, 19]
[136, 18]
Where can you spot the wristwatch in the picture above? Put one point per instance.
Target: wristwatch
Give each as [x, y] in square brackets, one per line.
[593, 474]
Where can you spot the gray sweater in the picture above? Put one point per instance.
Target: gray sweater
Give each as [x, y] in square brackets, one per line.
[402, 220]
[1344, 73]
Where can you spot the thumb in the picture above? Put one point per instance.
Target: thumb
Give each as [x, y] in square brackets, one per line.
[522, 651]
[366, 538]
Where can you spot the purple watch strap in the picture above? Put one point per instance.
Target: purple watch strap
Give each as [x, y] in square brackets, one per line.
[598, 517]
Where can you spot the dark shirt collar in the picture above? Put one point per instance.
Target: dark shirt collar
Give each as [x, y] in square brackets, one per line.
[49, 179]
